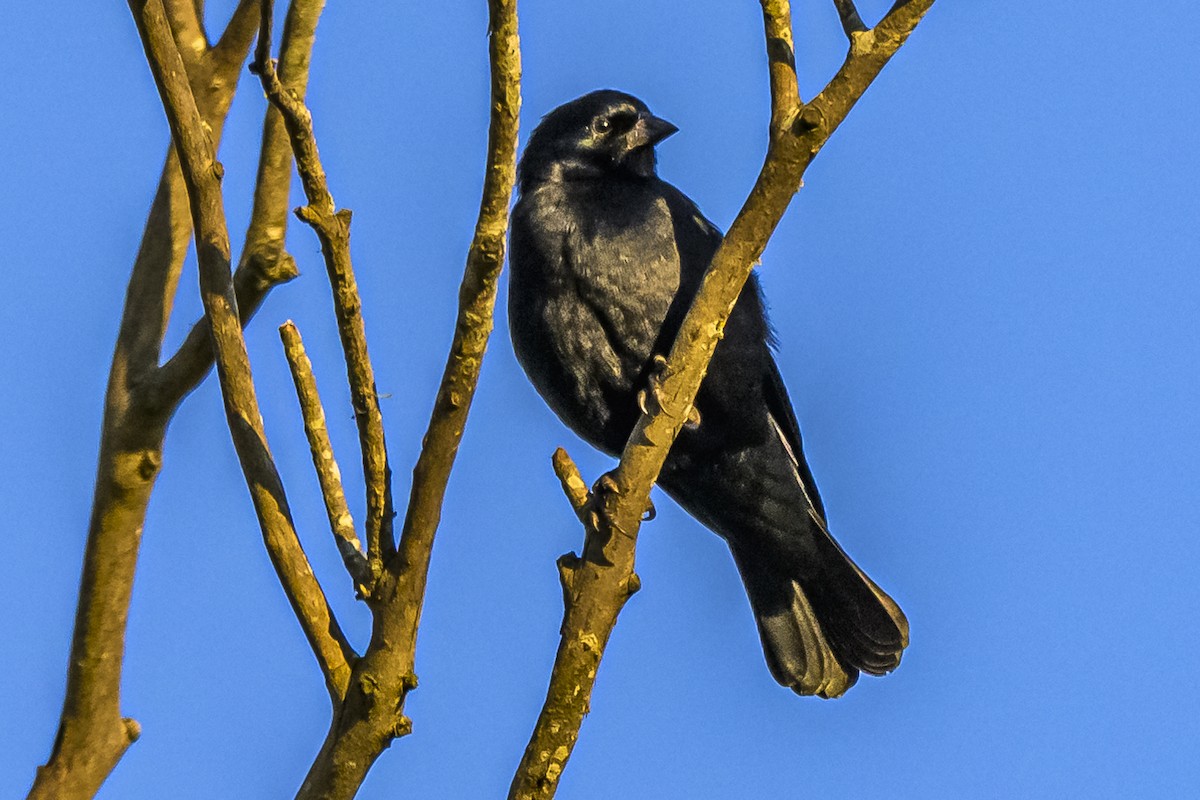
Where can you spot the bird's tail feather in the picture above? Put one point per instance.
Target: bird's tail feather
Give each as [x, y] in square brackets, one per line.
[823, 623]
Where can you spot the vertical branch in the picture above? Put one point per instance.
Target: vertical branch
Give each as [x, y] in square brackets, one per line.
[781, 62]
[596, 587]
[476, 301]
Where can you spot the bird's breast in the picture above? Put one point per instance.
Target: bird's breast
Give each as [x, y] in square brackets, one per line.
[594, 272]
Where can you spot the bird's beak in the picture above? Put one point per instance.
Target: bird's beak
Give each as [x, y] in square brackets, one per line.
[650, 130]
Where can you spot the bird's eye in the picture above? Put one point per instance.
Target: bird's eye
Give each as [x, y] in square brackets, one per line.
[602, 125]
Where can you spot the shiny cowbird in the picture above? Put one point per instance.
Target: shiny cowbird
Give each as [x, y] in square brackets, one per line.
[605, 260]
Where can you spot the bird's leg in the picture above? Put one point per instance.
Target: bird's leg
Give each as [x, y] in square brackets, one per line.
[651, 401]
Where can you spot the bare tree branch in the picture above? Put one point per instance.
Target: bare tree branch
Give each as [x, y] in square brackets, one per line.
[572, 483]
[333, 229]
[202, 175]
[187, 23]
[340, 521]
[596, 587]
[781, 62]
[92, 734]
[263, 263]
[370, 715]
[476, 302]
[239, 33]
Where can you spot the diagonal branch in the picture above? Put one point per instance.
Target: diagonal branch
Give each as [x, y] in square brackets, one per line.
[187, 23]
[476, 301]
[596, 587]
[202, 174]
[238, 34]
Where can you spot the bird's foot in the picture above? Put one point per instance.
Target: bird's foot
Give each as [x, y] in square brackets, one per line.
[604, 492]
[600, 518]
[601, 500]
[649, 400]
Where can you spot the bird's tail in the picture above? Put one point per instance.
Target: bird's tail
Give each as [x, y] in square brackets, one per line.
[824, 621]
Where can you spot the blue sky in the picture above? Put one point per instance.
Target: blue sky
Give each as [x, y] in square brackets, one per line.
[987, 298]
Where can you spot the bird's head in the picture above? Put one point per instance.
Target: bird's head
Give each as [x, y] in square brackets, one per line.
[601, 132]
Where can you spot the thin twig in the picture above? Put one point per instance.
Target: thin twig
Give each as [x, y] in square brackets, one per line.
[573, 485]
[341, 523]
[596, 587]
[333, 229]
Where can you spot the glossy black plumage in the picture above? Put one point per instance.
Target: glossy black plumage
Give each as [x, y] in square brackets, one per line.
[605, 259]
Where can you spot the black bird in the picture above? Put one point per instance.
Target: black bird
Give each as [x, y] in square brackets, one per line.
[605, 260]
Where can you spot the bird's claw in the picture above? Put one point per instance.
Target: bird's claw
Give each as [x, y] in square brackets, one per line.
[649, 400]
[604, 489]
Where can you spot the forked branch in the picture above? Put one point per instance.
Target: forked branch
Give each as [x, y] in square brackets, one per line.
[370, 714]
[140, 401]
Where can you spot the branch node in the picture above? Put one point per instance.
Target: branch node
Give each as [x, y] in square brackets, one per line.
[780, 50]
[568, 566]
[863, 42]
[149, 464]
[274, 271]
[404, 727]
[809, 119]
[133, 729]
[309, 215]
